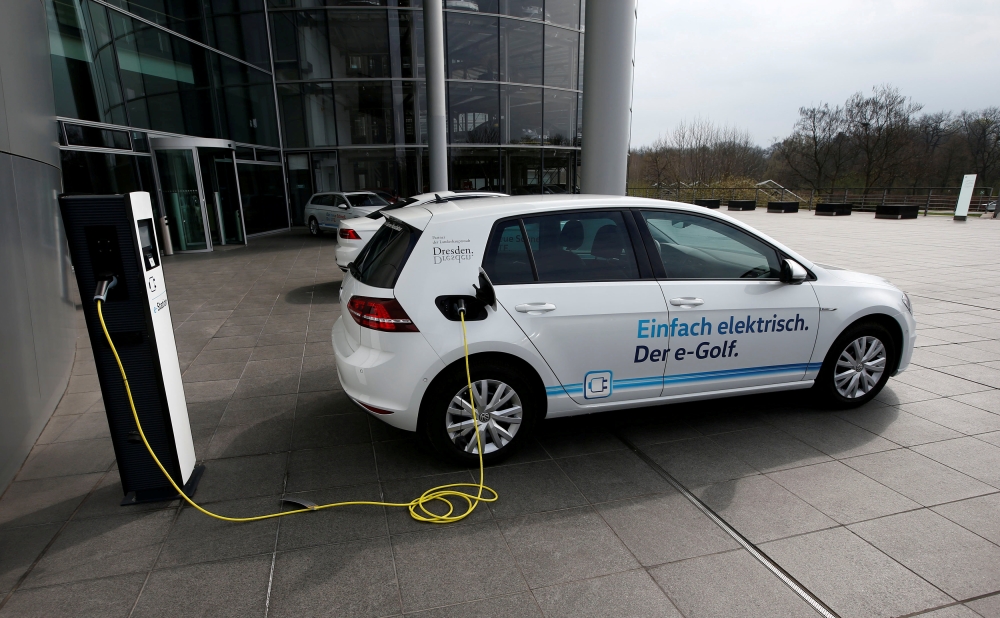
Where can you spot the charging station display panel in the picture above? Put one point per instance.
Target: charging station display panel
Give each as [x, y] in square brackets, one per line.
[108, 239]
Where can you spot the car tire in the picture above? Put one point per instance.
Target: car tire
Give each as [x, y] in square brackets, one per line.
[840, 385]
[439, 410]
[314, 227]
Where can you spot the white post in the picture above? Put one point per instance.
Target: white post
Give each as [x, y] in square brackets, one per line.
[607, 95]
[437, 123]
[964, 197]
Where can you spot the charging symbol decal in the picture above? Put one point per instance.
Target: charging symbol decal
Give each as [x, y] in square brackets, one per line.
[597, 385]
[151, 283]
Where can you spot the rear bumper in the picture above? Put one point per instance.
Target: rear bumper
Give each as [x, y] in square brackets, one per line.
[390, 381]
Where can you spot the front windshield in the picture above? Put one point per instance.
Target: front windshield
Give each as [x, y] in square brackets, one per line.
[365, 199]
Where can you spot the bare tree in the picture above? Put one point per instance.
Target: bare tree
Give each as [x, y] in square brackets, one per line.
[981, 130]
[880, 129]
[817, 151]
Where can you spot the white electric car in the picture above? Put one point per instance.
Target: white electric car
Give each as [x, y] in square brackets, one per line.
[595, 303]
[326, 210]
[355, 233]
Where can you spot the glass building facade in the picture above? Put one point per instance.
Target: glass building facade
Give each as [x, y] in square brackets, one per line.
[309, 95]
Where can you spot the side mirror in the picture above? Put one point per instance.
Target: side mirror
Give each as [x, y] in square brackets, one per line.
[343, 206]
[793, 272]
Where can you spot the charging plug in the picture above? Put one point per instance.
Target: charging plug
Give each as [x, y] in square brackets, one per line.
[103, 287]
[460, 306]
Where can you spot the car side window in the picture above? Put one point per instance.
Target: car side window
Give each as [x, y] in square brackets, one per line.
[323, 200]
[693, 247]
[507, 259]
[340, 201]
[581, 246]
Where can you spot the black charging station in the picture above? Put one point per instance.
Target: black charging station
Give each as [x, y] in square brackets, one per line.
[113, 238]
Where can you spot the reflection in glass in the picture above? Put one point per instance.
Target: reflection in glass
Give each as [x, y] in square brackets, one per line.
[84, 75]
[246, 102]
[472, 47]
[364, 112]
[263, 196]
[475, 168]
[368, 169]
[179, 186]
[300, 45]
[557, 175]
[325, 174]
[563, 12]
[79, 135]
[523, 170]
[482, 6]
[474, 113]
[218, 177]
[561, 48]
[411, 43]
[299, 185]
[97, 173]
[307, 114]
[415, 112]
[531, 9]
[413, 172]
[520, 52]
[359, 44]
[560, 113]
[522, 114]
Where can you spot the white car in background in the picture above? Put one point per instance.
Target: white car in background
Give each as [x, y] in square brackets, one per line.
[355, 234]
[326, 210]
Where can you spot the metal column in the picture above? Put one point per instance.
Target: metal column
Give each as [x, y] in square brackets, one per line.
[607, 95]
[437, 125]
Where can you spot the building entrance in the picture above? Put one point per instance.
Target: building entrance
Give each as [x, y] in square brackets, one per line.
[201, 192]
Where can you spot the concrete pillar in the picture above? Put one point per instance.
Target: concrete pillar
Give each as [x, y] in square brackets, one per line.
[607, 95]
[437, 121]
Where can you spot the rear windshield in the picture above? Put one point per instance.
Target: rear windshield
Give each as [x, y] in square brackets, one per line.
[365, 199]
[381, 261]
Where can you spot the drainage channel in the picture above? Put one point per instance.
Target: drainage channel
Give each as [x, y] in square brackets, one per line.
[760, 556]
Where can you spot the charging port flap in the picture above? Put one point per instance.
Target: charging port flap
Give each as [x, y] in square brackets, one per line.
[475, 309]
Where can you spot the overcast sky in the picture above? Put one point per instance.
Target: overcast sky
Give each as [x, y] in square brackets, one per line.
[753, 64]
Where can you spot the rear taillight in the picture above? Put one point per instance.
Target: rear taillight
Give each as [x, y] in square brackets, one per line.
[384, 314]
[349, 234]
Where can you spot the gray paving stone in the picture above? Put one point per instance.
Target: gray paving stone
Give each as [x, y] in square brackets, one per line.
[984, 400]
[219, 390]
[899, 426]
[424, 559]
[218, 371]
[954, 611]
[406, 490]
[563, 546]
[338, 524]
[698, 461]
[976, 458]
[196, 537]
[226, 588]
[242, 477]
[253, 410]
[768, 449]
[322, 431]
[531, 488]
[664, 528]
[938, 382]
[267, 386]
[829, 434]
[955, 560]
[68, 458]
[612, 475]
[351, 464]
[896, 393]
[848, 565]
[917, 477]
[728, 584]
[956, 415]
[988, 607]
[520, 605]
[976, 514]
[270, 436]
[42, 501]
[99, 598]
[19, 548]
[632, 593]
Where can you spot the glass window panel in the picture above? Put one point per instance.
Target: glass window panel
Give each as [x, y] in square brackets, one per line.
[84, 74]
[244, 153]
[368, 169]
[139, 142]
[245, 102]
[413, 3]
[473, 47]
[522, 170]
[78, 135]
[579, 121]
[520, 51]
[563, 12]
[415, 112]
[307, 114]
[561, 48]
[507, 258]
[693, 247]
[97, 173]
[364, 112]
[522, 114]
[560, 116]
[581, 246]
[271, 156]
[482, 6]
[532, 9]
[325, 172]
[412, 172]
[262, 195]
[301, 45]
[474, 113]
[475, 168]
[359, 43]
[411, 43]
[557, 175]
[579, 74]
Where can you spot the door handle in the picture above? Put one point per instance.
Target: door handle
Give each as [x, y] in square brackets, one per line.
[535, 308]
[686, 301]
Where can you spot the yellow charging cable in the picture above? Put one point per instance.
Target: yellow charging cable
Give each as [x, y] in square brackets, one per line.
[417, 507]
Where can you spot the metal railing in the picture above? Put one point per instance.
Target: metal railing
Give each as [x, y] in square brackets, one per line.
[937, 200]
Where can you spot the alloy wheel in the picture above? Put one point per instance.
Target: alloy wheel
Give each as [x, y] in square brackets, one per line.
[313, 227]
[498, 411]
[860, 367]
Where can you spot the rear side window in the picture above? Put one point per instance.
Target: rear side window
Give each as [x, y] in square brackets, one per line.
[323, 200]
[366, 199]
[507, 259]
[381, 261]
[581, 246]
